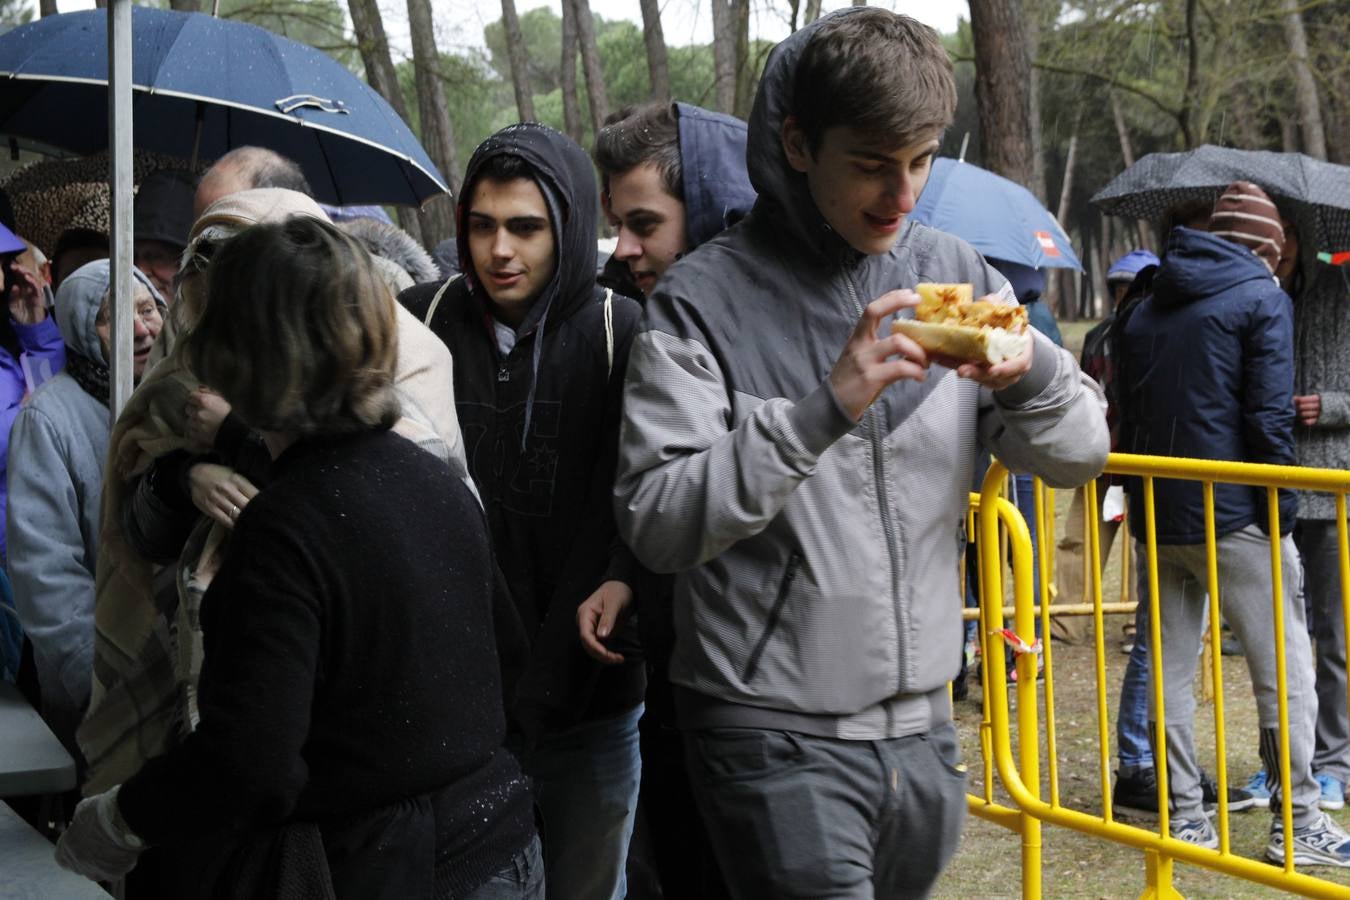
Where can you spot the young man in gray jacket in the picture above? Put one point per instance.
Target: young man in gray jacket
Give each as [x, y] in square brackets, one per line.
[812, 500]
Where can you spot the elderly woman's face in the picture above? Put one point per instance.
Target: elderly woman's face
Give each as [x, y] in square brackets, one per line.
[145, 328]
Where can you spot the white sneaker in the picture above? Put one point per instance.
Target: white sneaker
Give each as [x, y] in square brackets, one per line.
[1195, 831]
[1323, 843]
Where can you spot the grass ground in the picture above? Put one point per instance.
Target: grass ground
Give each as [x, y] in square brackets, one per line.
[1076, 865]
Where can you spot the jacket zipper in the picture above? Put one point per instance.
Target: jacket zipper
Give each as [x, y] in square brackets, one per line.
[876, 441]
[771, 621]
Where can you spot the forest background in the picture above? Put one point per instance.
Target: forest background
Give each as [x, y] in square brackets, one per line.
[1059, 95]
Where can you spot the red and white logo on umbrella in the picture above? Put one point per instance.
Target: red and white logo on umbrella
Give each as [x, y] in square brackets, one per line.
[1047, 243]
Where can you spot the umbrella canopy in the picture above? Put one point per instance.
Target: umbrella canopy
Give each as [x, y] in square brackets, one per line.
[203, 86]
[1315, 194]
[997, 217]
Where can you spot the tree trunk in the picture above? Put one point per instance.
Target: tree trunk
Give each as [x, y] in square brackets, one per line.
[658, 69]
[1190, 96]
[568, 73]
[374, 48]
[515, 51]
[590, 64]
[438, 135]
[1002, 81]
[1066, 188]
[47, 8]
[1288, 135]
[724, 54]
[1305, 88]
[1038, 184]
[745, 76]
[1127, 154]
[812, 11]
[186, 5]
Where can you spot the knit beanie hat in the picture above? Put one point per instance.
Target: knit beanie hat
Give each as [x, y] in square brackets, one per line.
[1245, 215]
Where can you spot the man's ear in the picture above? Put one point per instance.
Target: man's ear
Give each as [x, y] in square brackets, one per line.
[796, 147]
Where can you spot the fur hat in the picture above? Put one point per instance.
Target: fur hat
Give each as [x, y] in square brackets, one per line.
[1245, 215]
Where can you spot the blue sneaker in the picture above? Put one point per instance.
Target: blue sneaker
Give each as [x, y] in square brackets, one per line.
[1333, 792]
[1323, 843]
[1256, 786]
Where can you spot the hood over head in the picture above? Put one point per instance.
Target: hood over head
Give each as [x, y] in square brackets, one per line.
[1027, 283]
[782, 190]
[78, 301]
[566, 178]
[233, 213]
[1198, 264]
[1130, 265]
[717, 189]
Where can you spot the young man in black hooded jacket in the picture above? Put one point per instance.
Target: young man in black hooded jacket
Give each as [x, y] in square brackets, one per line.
[540, 353]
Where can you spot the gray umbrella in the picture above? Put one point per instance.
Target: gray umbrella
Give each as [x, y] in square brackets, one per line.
[1316, 195]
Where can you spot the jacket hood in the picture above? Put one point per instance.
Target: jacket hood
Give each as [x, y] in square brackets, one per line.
[1130, 265]
[1199, 265]
[1027, 283]
[78, 301]
[567, 180]
[717, 189]
[783, 195]
[387, 241]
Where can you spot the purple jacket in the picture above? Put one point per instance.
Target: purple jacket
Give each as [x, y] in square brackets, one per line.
[39, 343]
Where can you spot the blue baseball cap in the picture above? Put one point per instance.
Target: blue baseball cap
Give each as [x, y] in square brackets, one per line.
[1129, 265]
[10, 242]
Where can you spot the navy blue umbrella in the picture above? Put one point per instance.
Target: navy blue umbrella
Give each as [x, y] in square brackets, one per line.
[203, 86]
[997, 217]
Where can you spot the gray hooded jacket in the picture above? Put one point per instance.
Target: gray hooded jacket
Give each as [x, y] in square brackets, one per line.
[818, 587]
[57, 449]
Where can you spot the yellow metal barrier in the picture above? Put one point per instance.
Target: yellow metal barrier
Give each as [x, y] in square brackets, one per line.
[1020, 774]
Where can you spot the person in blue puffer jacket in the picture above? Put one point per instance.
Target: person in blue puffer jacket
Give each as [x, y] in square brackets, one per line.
[1206, 371]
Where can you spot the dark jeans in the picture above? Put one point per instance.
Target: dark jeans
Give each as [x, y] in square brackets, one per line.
[798, 816]
[523, 879]
[1318, 545]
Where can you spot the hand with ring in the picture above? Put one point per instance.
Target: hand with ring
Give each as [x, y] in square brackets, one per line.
[220, 492]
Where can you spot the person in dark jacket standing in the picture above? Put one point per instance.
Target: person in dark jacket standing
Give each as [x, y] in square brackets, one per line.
[351, 731]
[540, 353]
[672, 177]
[1207, 371]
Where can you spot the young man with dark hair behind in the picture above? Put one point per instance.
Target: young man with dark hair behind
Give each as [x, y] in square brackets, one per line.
[540, 352]
[811, 500]
[672, 176]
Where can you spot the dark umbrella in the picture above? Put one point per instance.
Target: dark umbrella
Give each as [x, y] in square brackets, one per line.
[1315, 194]
[203, 86]
[996, 216]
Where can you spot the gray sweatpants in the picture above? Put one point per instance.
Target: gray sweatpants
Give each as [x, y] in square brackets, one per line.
[1245, 597]
[797, 816]
[1317, 545]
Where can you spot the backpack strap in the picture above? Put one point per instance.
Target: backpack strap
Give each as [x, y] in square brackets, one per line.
[436, 300]
[609, 330]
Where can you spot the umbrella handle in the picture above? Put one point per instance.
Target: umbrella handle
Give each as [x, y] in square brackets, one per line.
[296, 101]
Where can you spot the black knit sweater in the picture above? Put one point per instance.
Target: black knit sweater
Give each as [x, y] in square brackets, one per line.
[349, 664]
